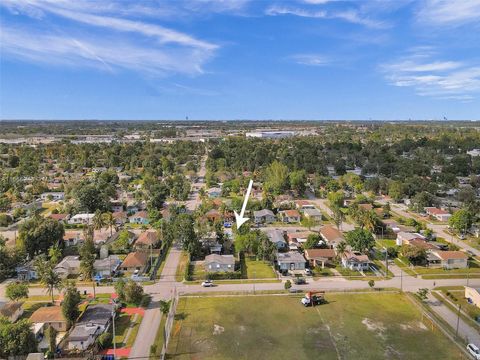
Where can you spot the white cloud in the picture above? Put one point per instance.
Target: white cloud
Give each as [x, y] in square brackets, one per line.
[449, 12]
[349, 15]
[311, 59]
[434, 78]
[150, 48]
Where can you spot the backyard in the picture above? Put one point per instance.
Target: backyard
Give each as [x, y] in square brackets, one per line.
[279, 327]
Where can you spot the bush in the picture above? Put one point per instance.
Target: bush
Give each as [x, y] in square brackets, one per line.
[188, 270]
[105, 340]
[145, 300]
[224, 275]
[288, 284]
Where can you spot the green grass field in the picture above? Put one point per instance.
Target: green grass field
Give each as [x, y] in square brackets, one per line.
[350, 326]
[259, 269]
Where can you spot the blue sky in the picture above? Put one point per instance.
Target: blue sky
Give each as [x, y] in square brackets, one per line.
[239, 59]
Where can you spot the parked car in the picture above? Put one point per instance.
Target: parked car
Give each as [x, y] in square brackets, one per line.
[227, 224]
[308, 272]
[299, 281]
[207, 283]
[474, 351]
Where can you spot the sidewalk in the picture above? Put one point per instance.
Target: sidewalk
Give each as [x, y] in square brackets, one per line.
[465, 331]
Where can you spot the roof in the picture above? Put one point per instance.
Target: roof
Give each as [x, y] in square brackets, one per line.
[139, 214]
[319, 253]
[451, 255]
[72, 234]
[331, 234]
[356, 257]
[291, 213]
[436, 211]
[407, 236]
[299, 235]
[81, 332]
[97, 314]
[10, 308]
[421, 243]
[48, 314]
[147, 238]
[221, 259]
[58, 217]
[275, 235]
[301, 203]
[135, 259]
[312, 212]
[119, 215]
[366, 206]
[291, 256]
[263, 212]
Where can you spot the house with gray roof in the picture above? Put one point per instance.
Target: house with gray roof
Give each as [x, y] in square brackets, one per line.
[218, 263]
[263, 216]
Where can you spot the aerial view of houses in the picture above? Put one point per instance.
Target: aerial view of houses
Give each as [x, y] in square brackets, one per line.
[239, 179]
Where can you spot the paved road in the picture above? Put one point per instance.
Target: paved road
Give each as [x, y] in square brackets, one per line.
[465, 331]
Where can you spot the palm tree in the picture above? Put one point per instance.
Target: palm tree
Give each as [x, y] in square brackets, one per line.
[110, 221]
[48, 277]
[369, 221]
[98, 220]
[338, 217]
[55, 253]
[341, 249]
[87, 257]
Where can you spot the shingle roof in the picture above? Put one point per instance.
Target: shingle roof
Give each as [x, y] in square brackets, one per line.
[331, 234]
[319, 253]
[147, 238]
[221, 259]
[135, 259]
[451, 255]
[10, 308]
[48, 314]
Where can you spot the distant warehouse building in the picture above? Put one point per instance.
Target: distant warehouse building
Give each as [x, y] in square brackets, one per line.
[270, 134]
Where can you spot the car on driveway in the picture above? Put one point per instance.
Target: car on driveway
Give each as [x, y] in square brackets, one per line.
[474, 351]
[207, 283]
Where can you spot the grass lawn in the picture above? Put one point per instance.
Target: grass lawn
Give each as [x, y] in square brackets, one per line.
[180, 273]
[257, 269]
[387, 243]
[457, 297]
[134, 331]
[122, 323]
[350, 326]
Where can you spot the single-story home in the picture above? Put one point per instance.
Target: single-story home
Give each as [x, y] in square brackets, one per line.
[439, 214]
[120, 217]
[11, 310]
[298, 237]
[289, 216]
[52, 196]
[45, 317]
[303, 204]
[27, 271]
[331, 236]
[70, 265]
[140, 218]
[473, 295]
[264, 216]
[106, 267]
[116, 206]
[94, 321]
[314, 214]
[81, 219]
[214, 192]
[72, 237]
[59, 217]
[404, 237]
[355, 260]
[213, 215]
[147, 239]
[320, 257]
[290, 261]
[217, 263]
[449, 259]
[276, 237]
[137, 260]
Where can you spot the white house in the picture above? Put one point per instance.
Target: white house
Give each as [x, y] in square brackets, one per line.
[83, 218]
[290, 261]
[52, 196]
[354, 260]
[439, 214]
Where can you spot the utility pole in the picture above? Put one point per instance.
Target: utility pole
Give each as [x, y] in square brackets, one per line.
[114, 344]
[458, 319]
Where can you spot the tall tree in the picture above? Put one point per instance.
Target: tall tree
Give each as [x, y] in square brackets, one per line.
[48, 277]
[98, 220]
[360, 240]
[38, 234]
[16, 291]
[71, 299]
[16, 338]
[87, 260]
[276, 178]
[110, 221]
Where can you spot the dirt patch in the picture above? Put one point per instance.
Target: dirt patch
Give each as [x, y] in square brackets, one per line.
[217, 329]
[418, 325]
[373, 326]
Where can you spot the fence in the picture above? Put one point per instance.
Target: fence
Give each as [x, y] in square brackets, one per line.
[169, 323]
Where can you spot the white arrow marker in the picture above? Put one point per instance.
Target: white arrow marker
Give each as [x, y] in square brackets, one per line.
[239, 218]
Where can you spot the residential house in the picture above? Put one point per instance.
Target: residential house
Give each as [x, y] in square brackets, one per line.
[366, 207]
[303, 204]
[290, 261]
[11, 310]
[63, 218]
[320, 257]
[104, 268]
[27, 271]
[93, 322]
[47, 316]
[104, 235]
[355, 260]
[72, 237]
[218, 263]
[116, 206]
[449, 259]
[69, 266]
[313, 214]
[147, 239]
[276, 237]
[331, 236]
[120, 217]
[473, 295]
[404, 237]
[297, 238]
[137, 260]
[52, 196]
[289, 216]
[139, 218]
[213, 215]
[439, 214]
[264, 216]
[214, 192]
[81, 219]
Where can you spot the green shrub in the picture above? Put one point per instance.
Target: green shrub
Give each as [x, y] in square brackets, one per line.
[105, 340]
